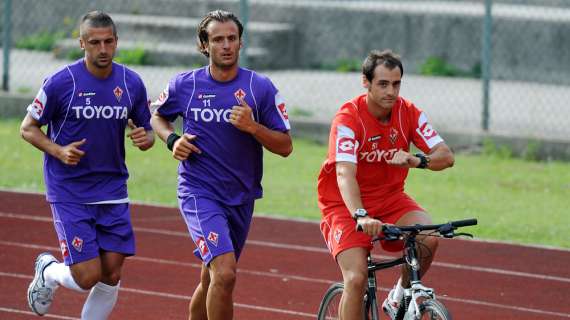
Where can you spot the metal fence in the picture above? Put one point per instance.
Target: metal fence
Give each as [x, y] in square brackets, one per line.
[312, 50]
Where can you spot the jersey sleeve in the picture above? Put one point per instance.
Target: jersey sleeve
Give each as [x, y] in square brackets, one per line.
[44, 106]
[344, 139]
[424, 136]
[273, 113]
[140, 114]
[168, 105]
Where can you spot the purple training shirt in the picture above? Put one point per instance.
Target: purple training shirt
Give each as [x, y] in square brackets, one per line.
[76, 105]
[230, 167]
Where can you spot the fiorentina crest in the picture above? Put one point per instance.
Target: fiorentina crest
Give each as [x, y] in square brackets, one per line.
[118, 93]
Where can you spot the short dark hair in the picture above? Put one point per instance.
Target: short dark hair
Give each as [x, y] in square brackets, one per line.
[96, 19]
[376, 58]
[216, 15]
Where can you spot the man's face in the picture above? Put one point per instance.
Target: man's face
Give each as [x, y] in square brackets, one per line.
[223, 43]
[99, 45]
[384, 88]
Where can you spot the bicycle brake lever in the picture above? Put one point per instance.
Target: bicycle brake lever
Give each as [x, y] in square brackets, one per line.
[469, 235]
[391, 233]
[446, 229]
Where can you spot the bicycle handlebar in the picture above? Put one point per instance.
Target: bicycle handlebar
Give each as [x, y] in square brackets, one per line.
[445, 229]
[464, 223]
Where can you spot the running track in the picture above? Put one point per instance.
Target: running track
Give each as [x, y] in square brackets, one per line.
[283, 272]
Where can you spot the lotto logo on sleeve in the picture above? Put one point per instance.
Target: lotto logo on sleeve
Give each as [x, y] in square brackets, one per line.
[280, 104]
[202, 246]
[160, 100]
[346, 145]
[427, 132]
[283, 111]
[36, 109]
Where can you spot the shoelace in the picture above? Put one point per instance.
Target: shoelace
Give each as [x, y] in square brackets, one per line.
[44, 295]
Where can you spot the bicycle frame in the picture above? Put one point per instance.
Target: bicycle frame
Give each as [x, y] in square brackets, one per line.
[418, 289]
[372, 302]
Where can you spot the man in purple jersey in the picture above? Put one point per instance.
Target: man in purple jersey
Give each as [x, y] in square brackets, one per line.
[87, 106]
[229, 114]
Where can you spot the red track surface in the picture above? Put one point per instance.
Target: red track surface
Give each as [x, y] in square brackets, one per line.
[283, 273]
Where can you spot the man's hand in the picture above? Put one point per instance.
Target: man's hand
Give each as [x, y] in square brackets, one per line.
[138, 135]
[404, 159]
[183, 147]
[242, 117]
[370, 226]
[71, 154]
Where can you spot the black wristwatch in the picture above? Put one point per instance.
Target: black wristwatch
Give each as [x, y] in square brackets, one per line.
[424, 160]
[359, 213]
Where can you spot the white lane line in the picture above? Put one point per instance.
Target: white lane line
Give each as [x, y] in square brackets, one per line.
[54, 316]
[173, 296]
[320, 250]
[502, 306]
[289, 312]
[272, 274]
[239, 305]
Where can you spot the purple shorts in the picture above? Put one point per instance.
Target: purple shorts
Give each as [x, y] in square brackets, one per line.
[215, 228]
[85, 229]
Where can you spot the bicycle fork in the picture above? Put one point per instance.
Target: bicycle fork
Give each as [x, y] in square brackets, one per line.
[418, 290]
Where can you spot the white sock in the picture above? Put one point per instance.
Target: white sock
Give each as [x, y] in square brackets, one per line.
[100, 302]
[398, 291]
[57, 274]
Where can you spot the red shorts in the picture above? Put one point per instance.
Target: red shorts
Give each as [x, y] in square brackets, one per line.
[339, 228]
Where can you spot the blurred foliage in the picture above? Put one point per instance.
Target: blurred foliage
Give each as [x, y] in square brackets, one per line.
[436, 66]
[42, 41]
[300, 112]
[137, 56]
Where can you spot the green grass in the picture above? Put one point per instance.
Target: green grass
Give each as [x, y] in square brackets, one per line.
[515, 200]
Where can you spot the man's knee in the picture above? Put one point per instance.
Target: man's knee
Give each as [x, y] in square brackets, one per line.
[224, 277]
[111, 277]
[427, 242]
[86, 278]
[355, 282]
[222, 272]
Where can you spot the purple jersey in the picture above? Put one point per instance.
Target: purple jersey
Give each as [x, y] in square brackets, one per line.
[76, 105]
[229, 169]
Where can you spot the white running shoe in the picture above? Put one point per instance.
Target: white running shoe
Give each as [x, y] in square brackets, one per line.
[39, 295]
[392, 303]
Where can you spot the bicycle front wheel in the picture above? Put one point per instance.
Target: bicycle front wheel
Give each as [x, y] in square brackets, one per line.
[329, 308]
[330, 305]
[434, 310]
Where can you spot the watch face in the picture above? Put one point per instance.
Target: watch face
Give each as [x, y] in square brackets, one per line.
[360, 213]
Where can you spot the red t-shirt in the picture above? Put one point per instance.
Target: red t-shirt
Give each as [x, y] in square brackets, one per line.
[357, 137]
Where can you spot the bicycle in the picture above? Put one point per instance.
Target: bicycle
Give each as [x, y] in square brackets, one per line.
[422, 301]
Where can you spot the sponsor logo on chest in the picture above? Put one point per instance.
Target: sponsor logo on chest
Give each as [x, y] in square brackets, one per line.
[377, 155]
[210, 114]
[100, 112]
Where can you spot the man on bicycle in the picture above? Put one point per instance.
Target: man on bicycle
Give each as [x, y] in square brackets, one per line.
[362, 180]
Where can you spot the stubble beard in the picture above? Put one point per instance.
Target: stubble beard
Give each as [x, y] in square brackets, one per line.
[220, 64]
